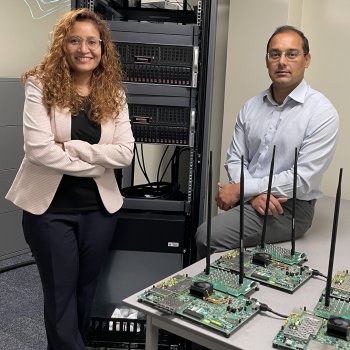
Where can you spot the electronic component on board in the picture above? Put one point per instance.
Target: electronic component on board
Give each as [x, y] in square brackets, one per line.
[261, 258]
[338, 327]
[201, 289]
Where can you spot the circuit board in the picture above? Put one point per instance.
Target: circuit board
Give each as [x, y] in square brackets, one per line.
[281, 254]
[304, 331]
[340, 287]
[218, 311]
[168, 295]
[337, 307]
[275, 274]
[228, 282]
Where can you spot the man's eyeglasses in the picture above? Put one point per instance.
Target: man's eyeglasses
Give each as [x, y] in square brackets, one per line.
[290, 55]
[92, 43]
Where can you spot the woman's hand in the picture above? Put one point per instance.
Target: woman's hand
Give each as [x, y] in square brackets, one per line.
[59, 144]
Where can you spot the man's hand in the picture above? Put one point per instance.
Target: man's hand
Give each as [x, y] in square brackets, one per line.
[259, 204]
[228, 195]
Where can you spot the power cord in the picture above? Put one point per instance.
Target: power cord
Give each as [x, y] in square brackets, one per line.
[141, 165]
[264, 307]
[318, 273]
[174, 160]
[160, 163]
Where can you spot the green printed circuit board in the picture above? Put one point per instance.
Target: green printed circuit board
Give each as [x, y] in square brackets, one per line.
[304, 331]
[327, 327]
[281, 254]
[218, 311]
[261, 267]
[339, 298]
[336, 307]
[340, 287]
[228, 282]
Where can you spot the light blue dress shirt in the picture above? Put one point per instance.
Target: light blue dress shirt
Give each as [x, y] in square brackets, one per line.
[306, 120]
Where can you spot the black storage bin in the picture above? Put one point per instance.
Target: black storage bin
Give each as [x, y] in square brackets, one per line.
[125, 333]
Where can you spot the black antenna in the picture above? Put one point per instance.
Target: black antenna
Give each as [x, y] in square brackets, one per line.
[207, 265]
[292, 252]
[268, 199]
[334, 238]
[241, 226]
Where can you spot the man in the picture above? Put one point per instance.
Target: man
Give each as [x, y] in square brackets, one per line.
[288, 115]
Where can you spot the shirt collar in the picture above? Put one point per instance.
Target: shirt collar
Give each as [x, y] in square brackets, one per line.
[298, 94]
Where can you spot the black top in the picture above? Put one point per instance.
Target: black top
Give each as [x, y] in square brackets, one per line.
[75, 194]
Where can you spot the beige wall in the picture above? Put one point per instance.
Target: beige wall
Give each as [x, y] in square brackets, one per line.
[25, 28]
[218, 98]
[326, 24]
[250, 24]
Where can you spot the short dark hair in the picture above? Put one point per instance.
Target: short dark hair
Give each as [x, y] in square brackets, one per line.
[286, 29]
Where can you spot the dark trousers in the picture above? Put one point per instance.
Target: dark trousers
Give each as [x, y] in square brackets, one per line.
[225, 227]
[69, 251]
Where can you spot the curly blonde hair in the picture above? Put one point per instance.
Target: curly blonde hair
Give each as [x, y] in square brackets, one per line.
[107, 93]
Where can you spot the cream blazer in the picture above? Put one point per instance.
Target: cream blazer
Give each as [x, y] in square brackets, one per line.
[45, 163]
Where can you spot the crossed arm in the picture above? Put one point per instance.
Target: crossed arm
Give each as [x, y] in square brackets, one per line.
[73, 157]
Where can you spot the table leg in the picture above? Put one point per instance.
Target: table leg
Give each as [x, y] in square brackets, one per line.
[151, 335]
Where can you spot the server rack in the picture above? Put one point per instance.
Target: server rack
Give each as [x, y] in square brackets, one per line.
[161, 84]
[168, 82]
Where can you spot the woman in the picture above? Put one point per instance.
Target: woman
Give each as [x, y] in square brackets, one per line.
[76, 132]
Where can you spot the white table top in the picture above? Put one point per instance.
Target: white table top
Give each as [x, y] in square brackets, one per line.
[259, 332]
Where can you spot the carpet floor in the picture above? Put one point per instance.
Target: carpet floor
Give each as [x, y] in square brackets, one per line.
[21, 307]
